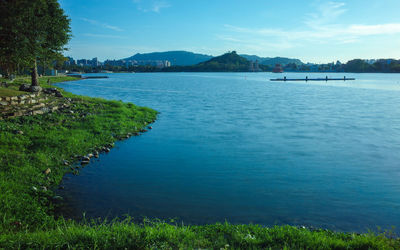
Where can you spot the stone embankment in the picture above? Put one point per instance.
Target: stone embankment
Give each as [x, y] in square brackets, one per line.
[48, 100]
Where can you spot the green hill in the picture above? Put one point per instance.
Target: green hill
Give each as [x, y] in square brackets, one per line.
[177, 58]
[271, 61]
[280, 60]
[230, 61]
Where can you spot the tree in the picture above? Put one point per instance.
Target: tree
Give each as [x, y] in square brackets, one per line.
[32, 31]
[357, 65]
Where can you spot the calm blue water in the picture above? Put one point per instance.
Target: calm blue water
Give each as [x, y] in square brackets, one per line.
[237, 147]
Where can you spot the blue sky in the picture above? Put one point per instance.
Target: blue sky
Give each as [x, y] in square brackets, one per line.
[314, 31]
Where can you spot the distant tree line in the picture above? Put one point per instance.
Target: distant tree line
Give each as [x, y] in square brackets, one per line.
[356, 66]
[232, 62]
[380, 66]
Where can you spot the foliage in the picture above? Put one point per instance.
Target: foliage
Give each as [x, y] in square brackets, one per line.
[230, 62]
[31, 31]
[357, 65]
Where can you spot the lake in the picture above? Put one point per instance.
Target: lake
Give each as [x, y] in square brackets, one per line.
[236, 147]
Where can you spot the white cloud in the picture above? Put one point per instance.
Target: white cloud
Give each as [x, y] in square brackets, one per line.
[378, 29]
[283, 39]
[103, 36]
[327, 13]
[151, 5]
[320, 27]
[100, 24]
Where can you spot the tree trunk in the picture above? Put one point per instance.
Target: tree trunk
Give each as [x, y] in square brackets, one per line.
[8, 73]
[43, 71]
[35, 81]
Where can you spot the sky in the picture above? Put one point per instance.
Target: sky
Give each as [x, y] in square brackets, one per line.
[316, 31]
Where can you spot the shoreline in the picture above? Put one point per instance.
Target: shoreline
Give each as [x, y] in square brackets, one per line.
[28, 204]
[36, 151]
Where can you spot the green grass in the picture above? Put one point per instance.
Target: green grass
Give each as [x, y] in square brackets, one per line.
[27, 212]
[47, 140]
[9, 92]
[159, 235]
[12, 90]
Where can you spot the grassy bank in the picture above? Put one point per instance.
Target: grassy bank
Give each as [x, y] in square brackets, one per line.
[127, 235]
[29, 146]
[32, 144]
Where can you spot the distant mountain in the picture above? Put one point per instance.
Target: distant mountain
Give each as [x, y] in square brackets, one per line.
[177, 58]
[280, 60]
[231, 62]
[272, 61]
[254, 58]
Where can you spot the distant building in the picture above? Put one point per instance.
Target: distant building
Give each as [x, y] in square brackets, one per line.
[254, 66]
[82, 62]
[95, 62]
[278, 69]
[370, 61]
[121, 63]
[70, 61]
[51, 72]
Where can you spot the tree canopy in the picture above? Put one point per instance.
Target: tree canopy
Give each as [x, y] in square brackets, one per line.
[31, 31]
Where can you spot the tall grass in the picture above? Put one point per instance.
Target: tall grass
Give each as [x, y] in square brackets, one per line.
[161, 235]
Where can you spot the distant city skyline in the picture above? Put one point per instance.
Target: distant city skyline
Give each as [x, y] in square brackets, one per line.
[317, 31]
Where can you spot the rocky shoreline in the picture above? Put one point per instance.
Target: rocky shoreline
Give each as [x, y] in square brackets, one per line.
[36, 103]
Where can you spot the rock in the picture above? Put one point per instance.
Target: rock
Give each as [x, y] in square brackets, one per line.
[61, 187]
[4, 103]
[50, 90]
[85, 158]
[66, 163]
[57, 198]
[96, 156]
[35, 89]
[4, 84]
[90, 155]
[150, 127]
[47, 171]
[107, 150]
[85, 162]
[24, 87]
[59, 94]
